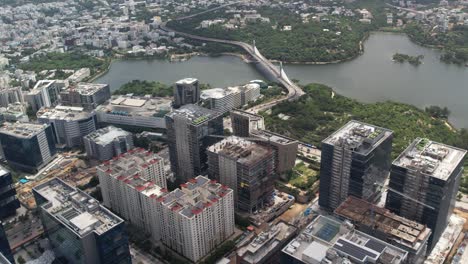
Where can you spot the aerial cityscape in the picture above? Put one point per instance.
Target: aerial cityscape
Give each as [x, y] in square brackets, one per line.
[233, 131]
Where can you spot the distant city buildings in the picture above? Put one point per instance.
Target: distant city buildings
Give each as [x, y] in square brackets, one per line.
[27, 146]
[86, 95]
[107, 142]
[70, 124]
[44, 94]
[8, 201]
[133, 111]
[246, 167]
[197, 218]
[424, 183]
[186, 91]
[355, 160]
[190, 130]
[327, 240]
[79, 229]
[387, 226]
[244, 122]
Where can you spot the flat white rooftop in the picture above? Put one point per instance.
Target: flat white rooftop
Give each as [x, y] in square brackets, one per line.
[107, 135]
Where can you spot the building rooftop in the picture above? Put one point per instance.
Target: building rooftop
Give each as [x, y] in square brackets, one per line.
[196, 114]
[251, 116]
[61, 112]
[430, 158]
[273, 137]
[128, 105]
[187, 81]
[218, 93]
[106, 135]
[266, 242]
[409, 234]
[88, 88]
[358, 136]
[194, 196]
[241, 150]
[75, 209]
[328, 239]
[23, 130]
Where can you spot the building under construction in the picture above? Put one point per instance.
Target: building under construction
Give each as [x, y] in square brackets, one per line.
[387, 226]
[424, 182]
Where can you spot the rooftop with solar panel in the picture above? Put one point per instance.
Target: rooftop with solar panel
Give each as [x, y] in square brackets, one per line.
[431, 158]
[76, 209]
[327, 239]
[358, 136]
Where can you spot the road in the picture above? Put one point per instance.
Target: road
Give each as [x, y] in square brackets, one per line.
[139, 256]
[294, 90]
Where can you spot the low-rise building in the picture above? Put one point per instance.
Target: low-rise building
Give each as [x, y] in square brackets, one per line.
[27, 146]
[86, 95]
[70, 124]
[105, 143]
[14, 112]
[133, 111]
[387, 226]
[327, 240]
[79, 229]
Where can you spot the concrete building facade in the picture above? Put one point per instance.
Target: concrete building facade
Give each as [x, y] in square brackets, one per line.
[44, 94]
[10, 95]
[247, 168]
[355, 161]
[424, 183]
[244, 122]
[107, 142]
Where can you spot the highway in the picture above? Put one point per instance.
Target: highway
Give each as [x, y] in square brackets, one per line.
[294, 91]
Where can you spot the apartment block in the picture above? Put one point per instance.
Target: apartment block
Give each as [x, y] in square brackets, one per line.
[190, 130]
[381, 223]
[197, 218]
[107, 142]
[244, 122]
[70, 124]
[27, 146]
[186, 91]
[246, 167]
[86, 95]
[79, 229]
[424, 182]
[355, 161]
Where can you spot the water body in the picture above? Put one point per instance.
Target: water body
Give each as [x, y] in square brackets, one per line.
[371, 77]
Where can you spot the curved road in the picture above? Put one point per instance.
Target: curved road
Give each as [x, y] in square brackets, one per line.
[294, 91]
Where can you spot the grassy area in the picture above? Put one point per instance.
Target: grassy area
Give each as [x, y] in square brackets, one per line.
[302, 176]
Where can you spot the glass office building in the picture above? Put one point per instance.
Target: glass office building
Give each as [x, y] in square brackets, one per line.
[8, 201]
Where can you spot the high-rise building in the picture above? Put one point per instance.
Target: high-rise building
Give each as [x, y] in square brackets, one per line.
[10, 95]
[246, 167]
[79, 229]
[27, 146]
[355, 161]
[424, 182]
[190, 130]
[6, 256]
[8, 201]
[134, 111]
[186, 91]
[44, 94]
[285, 148]
[70, 124]
[328, 240]
[86, 95]
[244, 122]
[387, 226]
[107, 142]
[130, 185]
[197, 218]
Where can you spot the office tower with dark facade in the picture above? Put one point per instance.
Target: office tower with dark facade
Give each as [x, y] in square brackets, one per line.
[186, 91]
[26, 146]
[243, 122]
[424, 182]
[355, 161]
[79, 229]
[246, 167]
[5, 250]
[190, 130]
[8, 201]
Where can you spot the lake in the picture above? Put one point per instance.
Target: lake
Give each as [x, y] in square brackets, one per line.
[371, 77]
